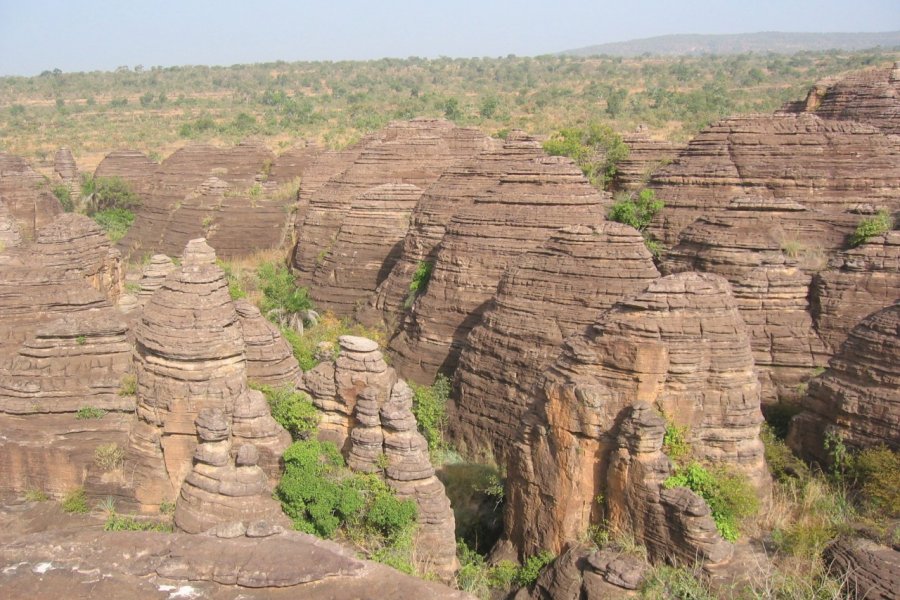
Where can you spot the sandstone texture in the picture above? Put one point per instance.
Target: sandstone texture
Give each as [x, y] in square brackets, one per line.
[53, 555]
[270, 359]
[747, 245]
[545, 296]
[414, 152]
[680, 346]
[858, 397]
[367, 246]
[857, 282]
[870, 568]
[190, 355]
[645, 155]
[826, 165]
[456, 189]
[531, 202]
[367, 412]
[26, 195]
[222, 488]
[10, 236]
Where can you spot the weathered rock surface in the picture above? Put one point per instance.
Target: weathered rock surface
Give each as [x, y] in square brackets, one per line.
[871, 569]
[858, 397]
[871, 96]
[545, 296]
[190, 355]
[66, 171]
[26, 194]
[133, 167]
[826, 165]
[366, 248]
[270, 360]
[10, 237]
[153, 275]
[456, 189]
[80, 561]
[367, 411]
[645, 155]
[752, 246]
[415, 152]
[531, 202]
[681, 346]
[856, 283]
[223, 488]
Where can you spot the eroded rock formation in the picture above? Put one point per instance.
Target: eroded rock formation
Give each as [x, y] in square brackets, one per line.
[224, 486]
[456, 189]
[645, 155]
[270, 360]
[367, 411]
[531, 202]
[27, 195]
[856, 283]
[750, 244]
[415, 152]
[545, 296]
[870, 568]
[680, 346]
[858, 397]
[366, 248]
[190, 355]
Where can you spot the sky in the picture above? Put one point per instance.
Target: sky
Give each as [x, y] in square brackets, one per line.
[89, 35]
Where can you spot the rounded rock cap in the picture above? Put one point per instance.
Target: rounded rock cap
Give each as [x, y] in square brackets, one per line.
[198, 253]
[353, 343]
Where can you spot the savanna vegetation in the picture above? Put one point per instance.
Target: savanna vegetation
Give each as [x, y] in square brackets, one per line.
[156, 109]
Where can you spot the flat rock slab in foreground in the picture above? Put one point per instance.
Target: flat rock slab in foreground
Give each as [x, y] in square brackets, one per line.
[86, 562]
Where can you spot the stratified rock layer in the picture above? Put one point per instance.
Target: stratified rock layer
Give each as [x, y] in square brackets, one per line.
[545, 296]
[827, 165]
[645, 155]
[858, 397]
[10, 237]
[367, 411]
[531, 202]
[856, 283]
[414, 152]
[456, 189]
[750, 244]
[190, 356]
[870, 570]
[270, 360]
[26, 194]
[681, 346]
[222, 489]
[366, 248]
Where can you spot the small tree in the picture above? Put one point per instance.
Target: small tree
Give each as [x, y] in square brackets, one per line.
[636, 211]
[597, 150]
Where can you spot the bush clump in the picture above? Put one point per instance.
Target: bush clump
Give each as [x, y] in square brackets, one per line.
[596, 149]
[637, 211]
[75, 501]
[419, 282]
[64, 196]
[322, 496]
[729, 495]
[281, 295]
[116, 522]
[328, 329]
[115, 222]
[292, 409]
[870, 227]
[90, 412]
[430, 410]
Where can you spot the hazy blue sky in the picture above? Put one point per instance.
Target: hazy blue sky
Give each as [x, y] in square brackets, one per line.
[85, 35]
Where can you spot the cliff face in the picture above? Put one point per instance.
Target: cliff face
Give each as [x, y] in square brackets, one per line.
[26, 195]
[531, 202]
[545, 296]
[857, 398]
[681, 346]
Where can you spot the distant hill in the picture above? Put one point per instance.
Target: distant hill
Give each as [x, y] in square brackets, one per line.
[768, 41]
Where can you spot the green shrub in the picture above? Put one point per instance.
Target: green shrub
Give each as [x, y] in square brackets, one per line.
[321, 495]
[596, 149]
[430, 410]
[636, 211]
[328, 329]
[419, 282]
[107, 193]
[280, 293]
[292, 409]
[36, 495]
[90, 412]
[782, 463]
[478, 578]
[870, 227]
[877, 473]
[117, 522]
[81, 340]
[528, 573]
[128, 385]
[75, 501]
[235, 287]
[64, 196]
[108, 456]
[675, 443]
[729, 495]
[115, 222]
